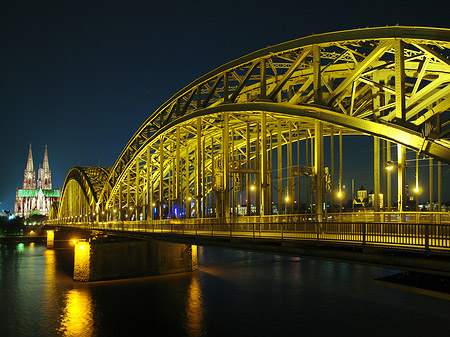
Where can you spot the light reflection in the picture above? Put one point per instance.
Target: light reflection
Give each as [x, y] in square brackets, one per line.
[77, 317]
[194, 308]
[50, 291]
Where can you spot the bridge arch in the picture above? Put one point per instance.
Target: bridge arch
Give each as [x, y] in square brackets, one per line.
[79, 198]
[392, 83]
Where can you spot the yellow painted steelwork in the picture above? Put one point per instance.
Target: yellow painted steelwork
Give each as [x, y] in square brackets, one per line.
[214, 137]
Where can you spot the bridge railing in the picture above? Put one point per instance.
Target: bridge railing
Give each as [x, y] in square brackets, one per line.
[400, 235]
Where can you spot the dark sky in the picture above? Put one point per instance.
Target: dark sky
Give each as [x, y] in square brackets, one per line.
[82, 76]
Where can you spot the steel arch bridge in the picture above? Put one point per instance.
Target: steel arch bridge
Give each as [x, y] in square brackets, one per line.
[241, 129]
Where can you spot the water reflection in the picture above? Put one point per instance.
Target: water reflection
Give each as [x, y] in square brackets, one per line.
[77, 316]
[194, 308]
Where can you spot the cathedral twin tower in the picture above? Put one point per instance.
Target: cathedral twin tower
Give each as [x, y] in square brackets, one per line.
[36, 198]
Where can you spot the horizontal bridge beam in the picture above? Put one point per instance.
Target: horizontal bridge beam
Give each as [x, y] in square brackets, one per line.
[398, 134]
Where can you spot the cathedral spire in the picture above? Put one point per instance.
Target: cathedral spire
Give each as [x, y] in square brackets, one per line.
[30, 161]
[29, 176]
[45, 165]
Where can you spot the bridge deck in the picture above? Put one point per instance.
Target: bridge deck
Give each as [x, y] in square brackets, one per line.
[410, 246]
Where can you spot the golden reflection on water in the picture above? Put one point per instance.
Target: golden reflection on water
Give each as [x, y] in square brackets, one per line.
[194, 308]
[77, 317]
[50, 273]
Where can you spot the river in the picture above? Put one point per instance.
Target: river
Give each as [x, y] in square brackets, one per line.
[233, 293]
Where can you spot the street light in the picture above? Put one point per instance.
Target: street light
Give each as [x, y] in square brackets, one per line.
[389, 165]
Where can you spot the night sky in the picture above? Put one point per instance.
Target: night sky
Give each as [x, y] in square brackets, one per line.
[82, 76]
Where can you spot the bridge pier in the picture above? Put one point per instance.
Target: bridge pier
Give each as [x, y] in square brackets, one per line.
[50, 239]
[113, 260]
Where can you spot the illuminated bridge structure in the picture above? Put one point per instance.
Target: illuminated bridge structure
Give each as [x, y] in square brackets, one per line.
[229, 157]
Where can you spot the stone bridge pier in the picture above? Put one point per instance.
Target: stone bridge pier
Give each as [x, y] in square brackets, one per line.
[101, 258]
[112, 260]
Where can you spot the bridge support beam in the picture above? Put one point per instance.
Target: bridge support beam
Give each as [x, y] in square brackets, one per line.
[225, 193]
[279, 168]
[318, 168]
[388, 177]
[50, 239]
[401, 154]
[376, 174]
[94, 262]
[265, 209]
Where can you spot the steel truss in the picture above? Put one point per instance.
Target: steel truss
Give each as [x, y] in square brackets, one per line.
[232, 128]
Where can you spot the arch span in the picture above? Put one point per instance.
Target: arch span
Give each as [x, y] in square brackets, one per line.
[236, 126]
[80, 192]
[397, 76]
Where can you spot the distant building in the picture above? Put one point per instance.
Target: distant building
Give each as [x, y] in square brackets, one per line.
[36, 198]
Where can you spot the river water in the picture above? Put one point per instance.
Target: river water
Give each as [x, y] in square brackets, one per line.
[233, 293]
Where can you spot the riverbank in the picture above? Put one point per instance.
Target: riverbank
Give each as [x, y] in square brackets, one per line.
[14, 239]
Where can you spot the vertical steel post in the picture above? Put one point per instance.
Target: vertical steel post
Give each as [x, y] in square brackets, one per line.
[399, 79]
[226, 144]
[307, 165]
[317, 75]
[225, 87]
[177, 173]
[439, 186]
[341, 196]
[270, 174]
[264, 163]
[298, 169]
[187, 194]
[279, 168]
[318, 168]
[312, 165]
[417, 182]
[149, 183]
[401, 158]
[248, 166]
[128, 194]
[262, 95]
[161, 176]
[213, 181]
[431, 183]
[120, 201]
[136, 202]
[383, 179]
[198, 152]
[389, 192]
[289, 185]
[376, 174]
[257, 176]
[332, 167]
[203, 181]
[233, 178]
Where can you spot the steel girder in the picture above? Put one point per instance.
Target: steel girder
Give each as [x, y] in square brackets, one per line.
[391, 82]
[84, 184]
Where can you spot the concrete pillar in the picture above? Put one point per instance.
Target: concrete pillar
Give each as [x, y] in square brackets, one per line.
[50, 239]
[113, 260]
[82, 261]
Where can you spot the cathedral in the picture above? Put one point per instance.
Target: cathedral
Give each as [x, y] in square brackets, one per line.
[36, 198]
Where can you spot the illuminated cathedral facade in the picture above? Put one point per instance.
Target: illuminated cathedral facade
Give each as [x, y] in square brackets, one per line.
[36, 197]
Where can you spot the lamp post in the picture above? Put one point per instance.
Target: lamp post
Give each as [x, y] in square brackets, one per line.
[249, 201]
